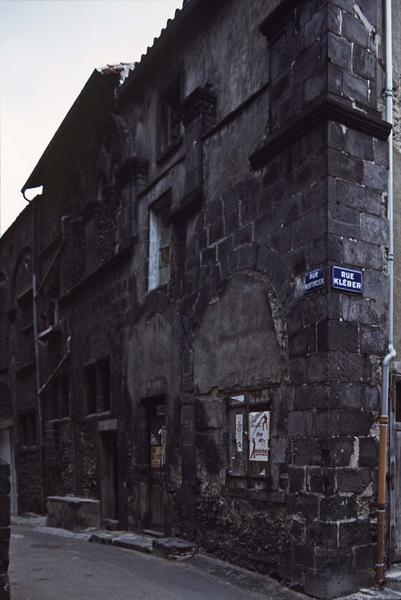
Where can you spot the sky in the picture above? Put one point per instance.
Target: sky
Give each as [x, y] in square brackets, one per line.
[48, 50]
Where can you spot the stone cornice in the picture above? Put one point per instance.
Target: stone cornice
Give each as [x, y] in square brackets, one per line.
[327, 107]
[201, 100]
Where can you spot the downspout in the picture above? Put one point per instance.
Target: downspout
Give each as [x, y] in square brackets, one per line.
[384, 404]
[36, 347]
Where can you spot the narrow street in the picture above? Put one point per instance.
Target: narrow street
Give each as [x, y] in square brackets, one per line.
[45, 566]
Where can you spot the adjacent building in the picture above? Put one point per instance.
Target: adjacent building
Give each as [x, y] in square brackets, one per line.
[175, 338]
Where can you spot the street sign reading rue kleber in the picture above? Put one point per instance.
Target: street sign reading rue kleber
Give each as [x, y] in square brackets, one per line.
[347, 280]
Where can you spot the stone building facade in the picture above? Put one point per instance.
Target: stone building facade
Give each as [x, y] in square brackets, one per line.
[155, 324]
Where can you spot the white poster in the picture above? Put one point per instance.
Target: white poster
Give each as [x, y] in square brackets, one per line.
[239, 431]
[259, 433]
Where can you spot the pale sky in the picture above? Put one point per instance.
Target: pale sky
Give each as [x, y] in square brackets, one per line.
[48, 50]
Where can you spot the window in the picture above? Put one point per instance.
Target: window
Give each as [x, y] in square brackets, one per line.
[249, 440]
[159, 244]
[90, 389]
[97, 386]
[105, 384]
[27, 429]
[57, 399]
[64, 397]
[170, 126]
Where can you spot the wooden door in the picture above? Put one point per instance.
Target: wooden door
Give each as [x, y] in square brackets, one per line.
[7, 455]
[157, 453]
[109, 475]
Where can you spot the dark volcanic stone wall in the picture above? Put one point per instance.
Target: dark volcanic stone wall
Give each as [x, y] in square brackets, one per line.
[280, 168]
[4, 530]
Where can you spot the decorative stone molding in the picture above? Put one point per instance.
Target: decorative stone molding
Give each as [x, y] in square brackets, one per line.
[133, 172]
[201, 102]
[325, 108]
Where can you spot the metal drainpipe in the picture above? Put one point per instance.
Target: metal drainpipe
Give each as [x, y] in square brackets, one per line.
[384, 404]
[36, 347]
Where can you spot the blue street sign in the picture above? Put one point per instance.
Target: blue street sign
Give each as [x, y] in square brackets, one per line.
[347, 280]
[314, 280]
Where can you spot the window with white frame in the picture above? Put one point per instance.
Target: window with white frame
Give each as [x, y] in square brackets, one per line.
[159, 244]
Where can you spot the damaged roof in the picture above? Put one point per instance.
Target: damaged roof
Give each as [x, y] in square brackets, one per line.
[126, 74]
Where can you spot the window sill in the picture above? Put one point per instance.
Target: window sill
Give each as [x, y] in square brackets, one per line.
[28, 449]
[59, 420]
[266, 495]
[104, 414]
[90, 417]
[163, 287]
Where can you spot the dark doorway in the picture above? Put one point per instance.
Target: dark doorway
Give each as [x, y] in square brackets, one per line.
[109, 475]
[157, 459]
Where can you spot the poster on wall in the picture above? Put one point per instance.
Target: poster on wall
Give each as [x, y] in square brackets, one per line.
[239, 431]
[259, 434]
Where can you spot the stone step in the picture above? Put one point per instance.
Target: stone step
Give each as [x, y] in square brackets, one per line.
[140, 543]
[174, 547]
[130, 541]
[101, 538]
[393, 578]
[167, 547]
[374, 594]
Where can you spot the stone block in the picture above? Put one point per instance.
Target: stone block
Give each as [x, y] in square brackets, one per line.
[335, 19]
[334, 79]
[359, 144]
[305, 506]
[353, 481]
[337, 452]
[344, 167]
[316, 26]
[131, 541]
[337, 335]
[337, 508]
[364, 556]
[363, 254]
[306, 452]
[339, 395]
[374, 229]
[73, 513]
[324, 534]
[374, 176]
[300, 424]
[364, 63]
[373, 340]
[368, 452]
[355, 87]
[304, 397]
[354, 533]
[171, 547]
[296, 478]
[354, 31]
[339, 51]
[346, 367]
[320, 481]
[355, 422]
[381, 152]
